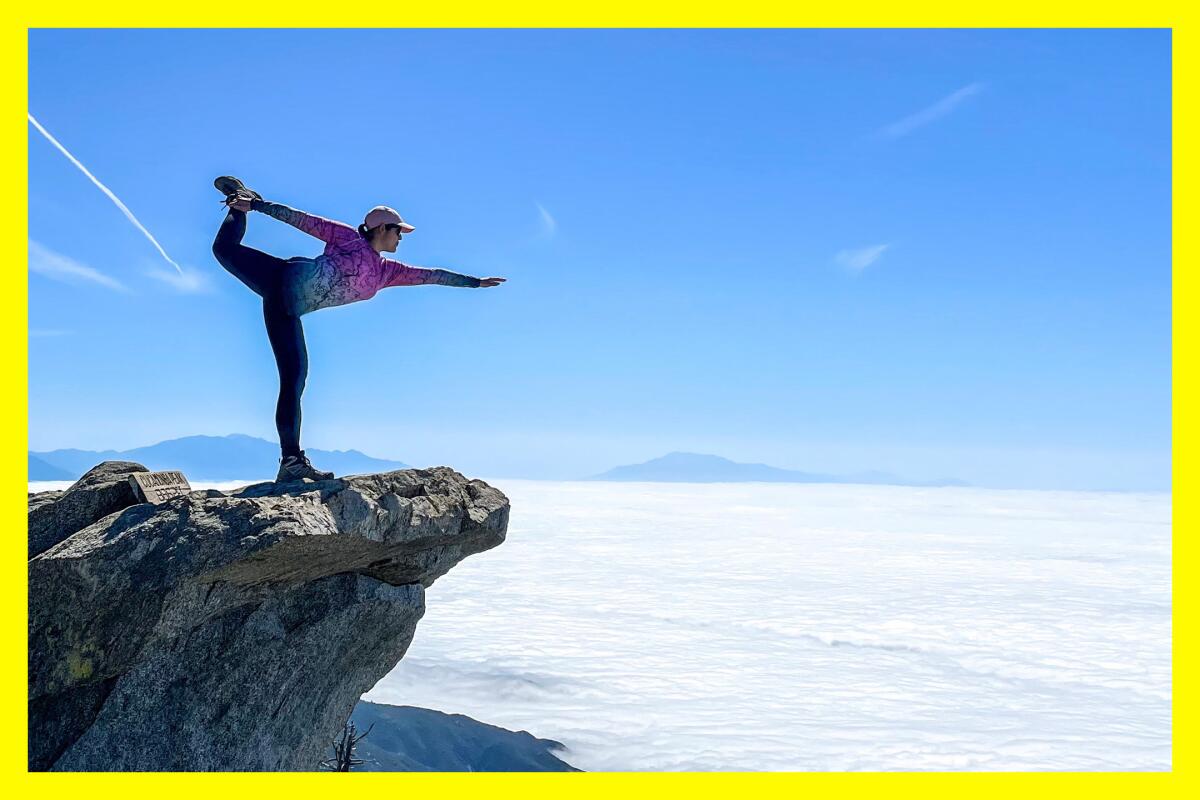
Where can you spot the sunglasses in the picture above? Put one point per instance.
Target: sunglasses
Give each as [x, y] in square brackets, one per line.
[391, 226]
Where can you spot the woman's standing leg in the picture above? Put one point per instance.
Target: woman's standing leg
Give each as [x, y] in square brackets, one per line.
[266, 275]
[260, 271]
[291, 356]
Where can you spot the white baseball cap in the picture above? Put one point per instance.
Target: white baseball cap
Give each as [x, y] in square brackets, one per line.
[382, 215]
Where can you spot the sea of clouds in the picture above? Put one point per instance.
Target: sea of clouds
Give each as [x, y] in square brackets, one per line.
[653, 626]
[811, 627]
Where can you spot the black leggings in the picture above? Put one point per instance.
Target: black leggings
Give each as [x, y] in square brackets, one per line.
[263, 273]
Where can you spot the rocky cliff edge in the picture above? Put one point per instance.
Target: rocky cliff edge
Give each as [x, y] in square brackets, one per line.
[230, 630]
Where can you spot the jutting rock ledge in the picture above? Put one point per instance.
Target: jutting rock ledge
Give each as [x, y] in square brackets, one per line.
[230, 631]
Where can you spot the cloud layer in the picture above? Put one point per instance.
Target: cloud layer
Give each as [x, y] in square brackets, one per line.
[811, 627]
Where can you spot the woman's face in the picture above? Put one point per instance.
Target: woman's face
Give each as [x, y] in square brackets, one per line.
[390, 238]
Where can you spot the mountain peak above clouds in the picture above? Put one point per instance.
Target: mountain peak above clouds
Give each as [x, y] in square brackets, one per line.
[684, 467]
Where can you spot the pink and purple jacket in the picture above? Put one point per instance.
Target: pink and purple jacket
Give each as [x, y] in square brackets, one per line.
[349, 270]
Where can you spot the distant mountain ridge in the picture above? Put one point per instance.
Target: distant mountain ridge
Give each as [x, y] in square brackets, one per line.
[680, 467]
[203, 458]
[237, 456]
[40, 470]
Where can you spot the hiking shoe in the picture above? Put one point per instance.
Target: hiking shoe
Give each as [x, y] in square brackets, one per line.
[296, 468]
[233, 189]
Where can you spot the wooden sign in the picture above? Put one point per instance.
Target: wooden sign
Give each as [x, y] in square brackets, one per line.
[158, 487]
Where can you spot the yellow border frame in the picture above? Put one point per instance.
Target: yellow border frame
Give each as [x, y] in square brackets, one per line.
[539, 13]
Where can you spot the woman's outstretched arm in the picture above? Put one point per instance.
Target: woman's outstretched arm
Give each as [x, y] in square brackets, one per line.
[398, 274]
[327, 230]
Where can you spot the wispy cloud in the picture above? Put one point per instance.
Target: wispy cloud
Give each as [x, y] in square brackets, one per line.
[549, 224]
[186, 281]
[860, 258]
[927, 115]
[58, 267]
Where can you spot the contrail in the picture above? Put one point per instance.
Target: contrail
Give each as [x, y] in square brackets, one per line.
[107, 191]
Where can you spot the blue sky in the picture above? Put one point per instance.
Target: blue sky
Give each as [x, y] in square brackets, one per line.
[940, 253]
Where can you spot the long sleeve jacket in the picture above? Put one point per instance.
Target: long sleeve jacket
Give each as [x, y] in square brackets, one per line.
[349, 269]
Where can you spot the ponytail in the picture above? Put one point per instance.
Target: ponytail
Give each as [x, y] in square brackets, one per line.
[364, 231]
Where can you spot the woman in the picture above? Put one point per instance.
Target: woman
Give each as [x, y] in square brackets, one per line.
[352, 268]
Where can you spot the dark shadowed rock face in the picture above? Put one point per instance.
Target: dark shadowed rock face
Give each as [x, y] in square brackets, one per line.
[231, 631]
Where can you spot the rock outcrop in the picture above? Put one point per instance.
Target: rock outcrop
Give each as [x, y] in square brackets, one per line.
[53, 516]
[408, 739]
[230, 631]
